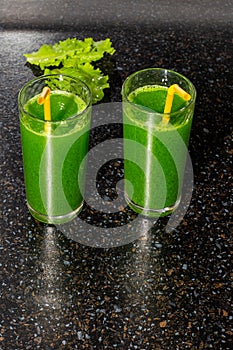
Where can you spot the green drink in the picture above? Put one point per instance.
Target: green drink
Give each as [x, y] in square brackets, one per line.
[53, 151]
[154, 150]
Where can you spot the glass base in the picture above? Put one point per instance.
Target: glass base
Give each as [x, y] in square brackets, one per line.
[152, 212]
[61, 219]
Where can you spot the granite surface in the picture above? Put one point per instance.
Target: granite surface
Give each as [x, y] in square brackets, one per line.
[167, 289]
[74, 13]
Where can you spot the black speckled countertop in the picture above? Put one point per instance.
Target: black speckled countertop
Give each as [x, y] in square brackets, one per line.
[164, 290]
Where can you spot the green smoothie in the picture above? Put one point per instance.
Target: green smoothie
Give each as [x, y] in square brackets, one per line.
[53, 168]
[154, 152]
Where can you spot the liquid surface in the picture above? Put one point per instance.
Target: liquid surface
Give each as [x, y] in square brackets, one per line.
[63, 105]
[154, 97]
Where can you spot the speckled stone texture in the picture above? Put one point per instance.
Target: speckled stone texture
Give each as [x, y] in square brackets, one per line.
[166, 290]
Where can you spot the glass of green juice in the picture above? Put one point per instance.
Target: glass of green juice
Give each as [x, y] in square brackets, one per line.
[155, 141]
[54, 148]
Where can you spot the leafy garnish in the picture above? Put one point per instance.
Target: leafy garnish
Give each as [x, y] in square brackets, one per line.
[94, 79]
[73, 57]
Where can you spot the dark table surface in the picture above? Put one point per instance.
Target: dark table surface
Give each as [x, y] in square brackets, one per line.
[166, 289]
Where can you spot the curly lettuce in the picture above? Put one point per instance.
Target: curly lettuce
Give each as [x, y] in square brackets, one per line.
[74, 57]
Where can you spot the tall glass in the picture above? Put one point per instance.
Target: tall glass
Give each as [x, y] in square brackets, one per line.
[53, 151]
[155, 143]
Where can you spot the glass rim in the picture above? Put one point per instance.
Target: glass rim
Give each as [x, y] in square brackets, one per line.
[42, 77]
[151, 111]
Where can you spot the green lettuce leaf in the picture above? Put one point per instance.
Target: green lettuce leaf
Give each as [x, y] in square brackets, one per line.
[93, 78]
[69, 50]
[73, 57]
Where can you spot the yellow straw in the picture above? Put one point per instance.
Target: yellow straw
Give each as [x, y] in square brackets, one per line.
[44, 99]
[175, 88]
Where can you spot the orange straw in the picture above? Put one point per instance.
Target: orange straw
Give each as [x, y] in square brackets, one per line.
[175, 88]
[44, 99]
